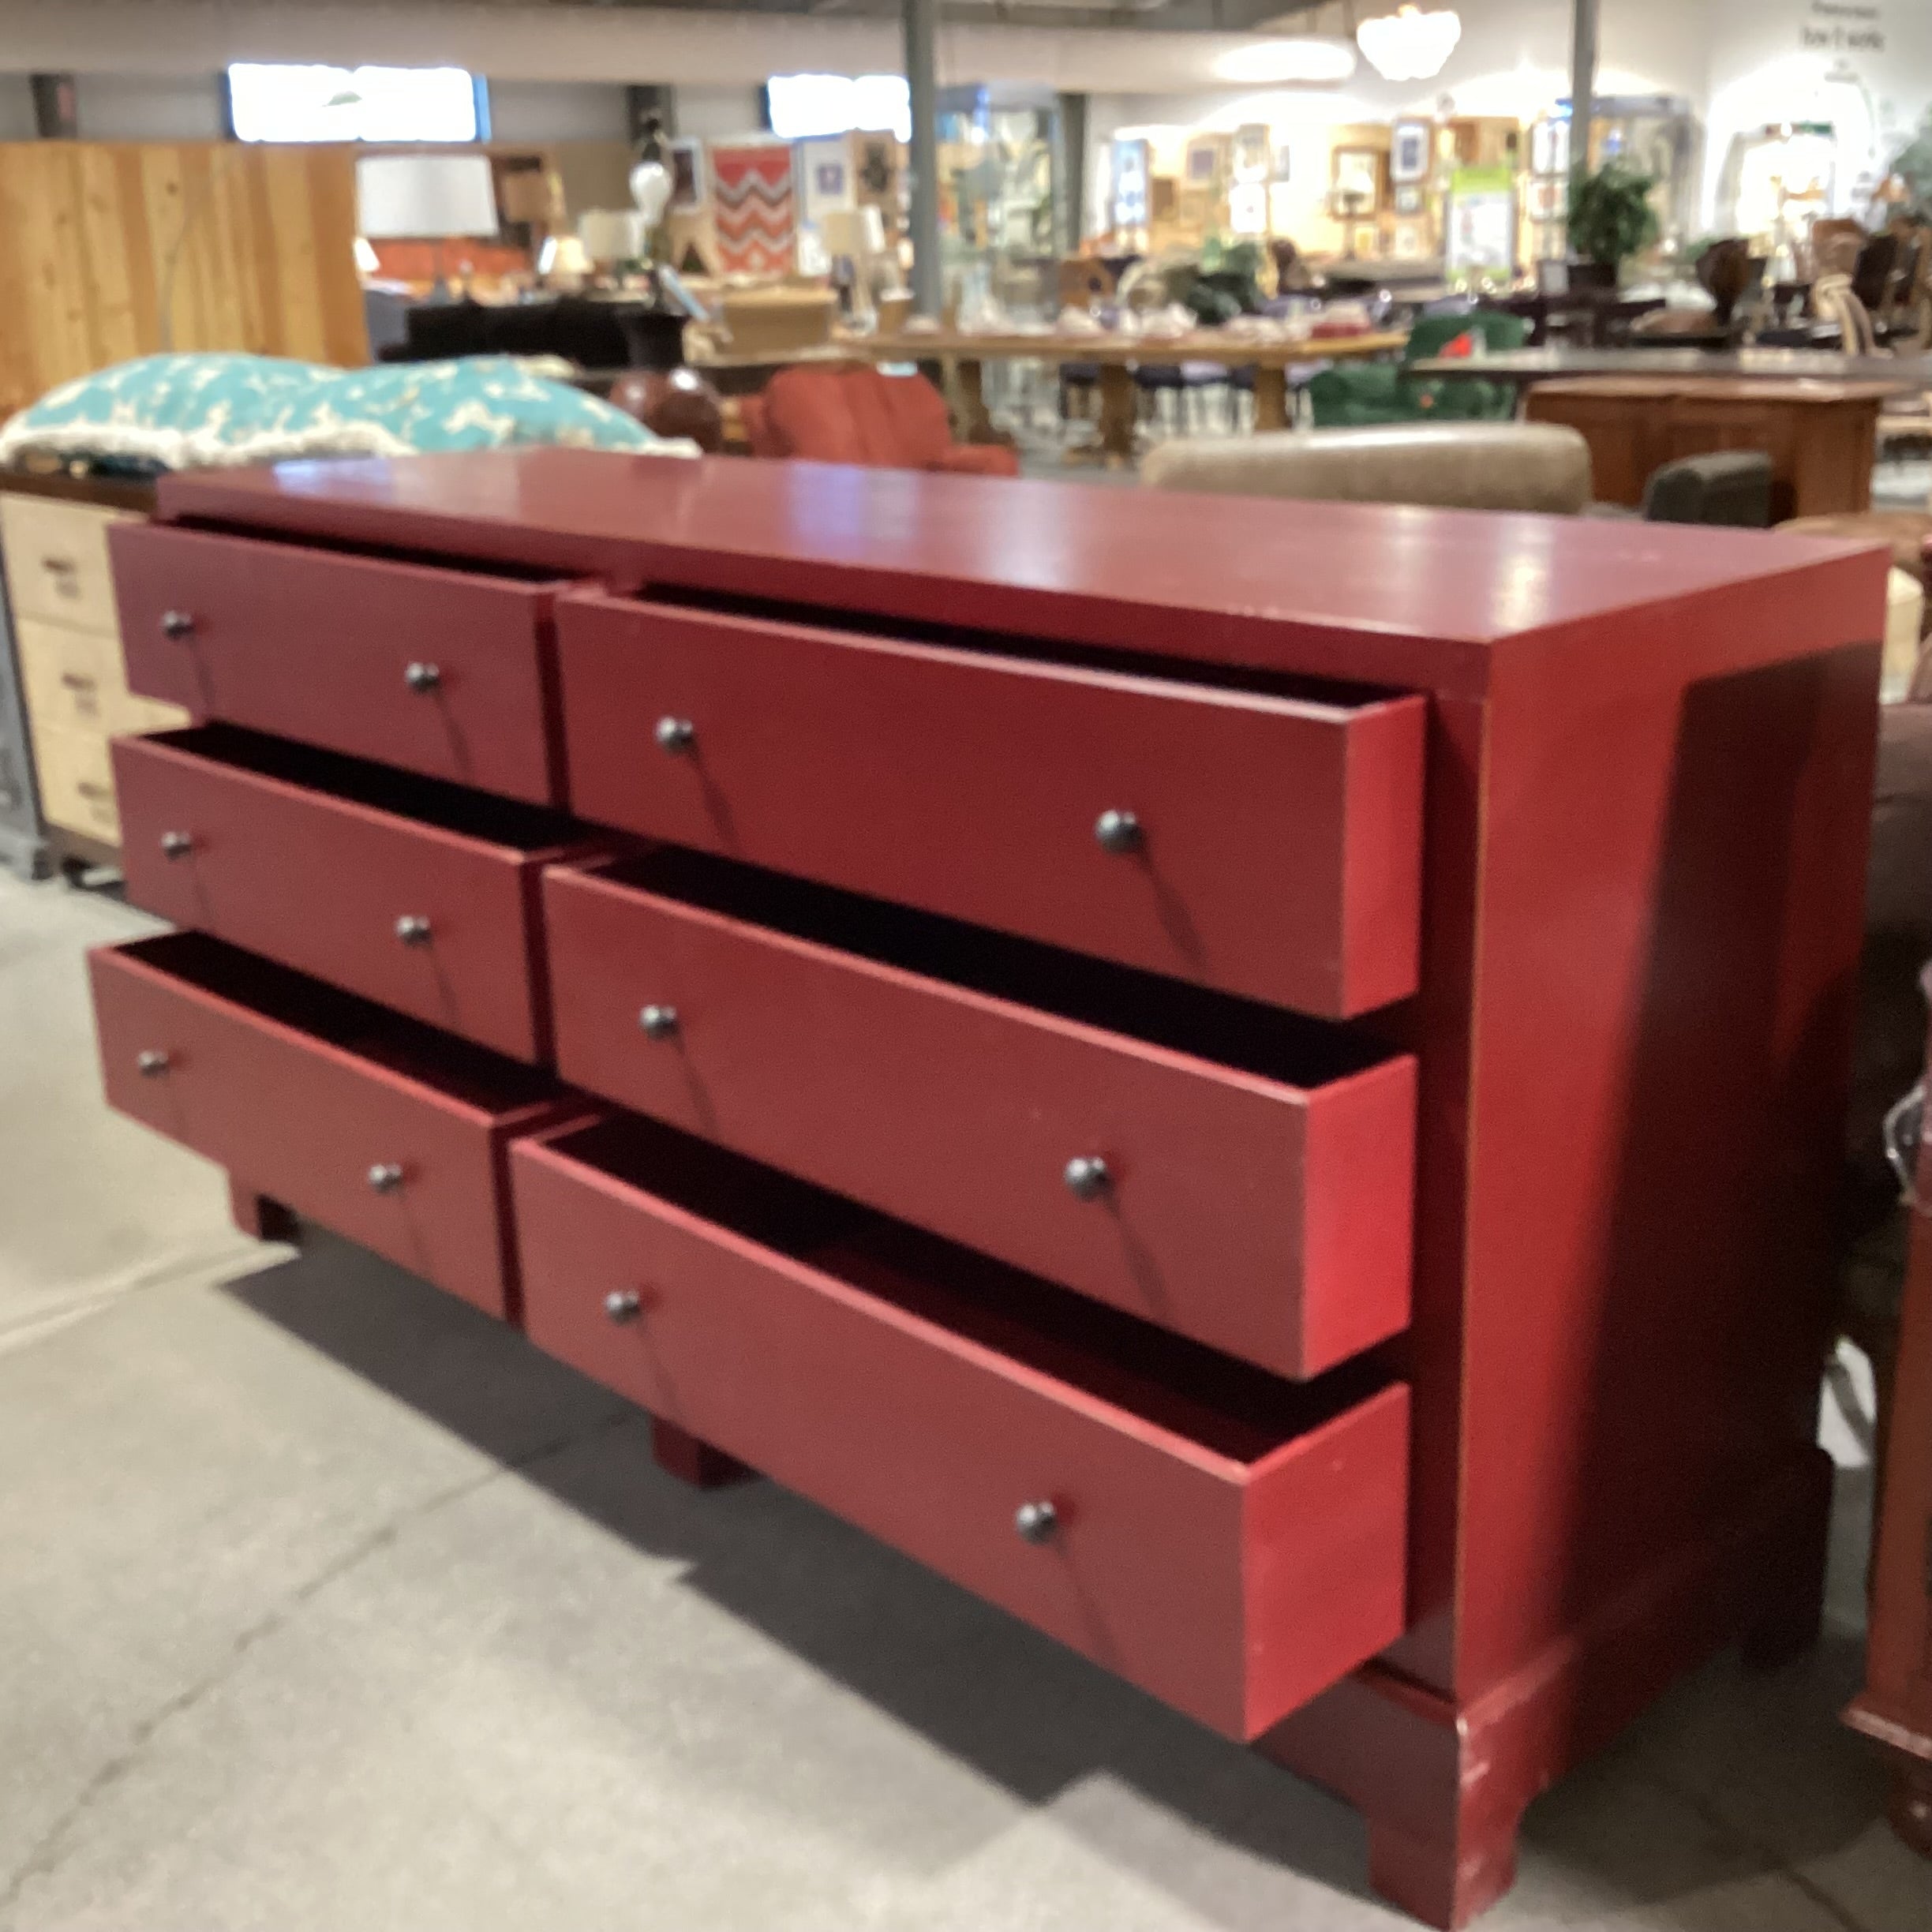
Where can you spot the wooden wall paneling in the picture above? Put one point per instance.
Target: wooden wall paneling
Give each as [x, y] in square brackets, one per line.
[110, 250]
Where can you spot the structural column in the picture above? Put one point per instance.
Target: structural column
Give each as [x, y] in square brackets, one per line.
[1583, 84]
[921, 19]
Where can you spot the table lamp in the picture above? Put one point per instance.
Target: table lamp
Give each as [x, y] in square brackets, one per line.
[432, 197]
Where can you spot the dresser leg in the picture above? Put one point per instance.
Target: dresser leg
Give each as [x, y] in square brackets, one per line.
[680, 1454]
[256, 1214]
[1442, 1794]
[1443, 1882]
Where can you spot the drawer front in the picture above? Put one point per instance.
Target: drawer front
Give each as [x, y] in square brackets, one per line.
[1269, 1222]
[1232, 1591]
[73, 680]
[77, 781]
[436, 671]
[325, 885]
[308, 1124]
[1264, 847]
[57, 560]
[63, 673]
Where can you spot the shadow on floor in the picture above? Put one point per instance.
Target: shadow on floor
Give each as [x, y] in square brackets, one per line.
[1754, 1772]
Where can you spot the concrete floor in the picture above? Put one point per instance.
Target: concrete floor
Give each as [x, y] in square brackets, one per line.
[325, 1603]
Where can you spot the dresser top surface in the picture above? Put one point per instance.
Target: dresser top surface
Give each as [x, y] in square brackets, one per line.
[1407, 595]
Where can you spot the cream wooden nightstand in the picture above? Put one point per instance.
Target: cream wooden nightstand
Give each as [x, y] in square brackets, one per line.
[67, 640]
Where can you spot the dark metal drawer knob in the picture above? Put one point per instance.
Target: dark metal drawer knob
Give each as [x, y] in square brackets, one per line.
[1036, 1522]
[1118, 832]
[177, 625]
[659, 1022]
[1087, 1177]
[413, 929]
[385, 1176]
[624, 1305]
[177, 844]
[152, 1063]
[677, 734]
[422, 677]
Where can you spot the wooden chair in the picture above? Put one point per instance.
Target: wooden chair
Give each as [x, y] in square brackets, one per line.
[1834, 247]
[1835, 300]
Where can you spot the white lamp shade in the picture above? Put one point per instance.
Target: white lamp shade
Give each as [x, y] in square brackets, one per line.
[425, 196]
[612, 235]
[856, 233]
[366, 260]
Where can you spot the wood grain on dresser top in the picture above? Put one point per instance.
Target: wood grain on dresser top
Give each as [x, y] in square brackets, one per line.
[1381, 595]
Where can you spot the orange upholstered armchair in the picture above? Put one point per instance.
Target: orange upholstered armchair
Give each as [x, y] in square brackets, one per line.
[854, 414]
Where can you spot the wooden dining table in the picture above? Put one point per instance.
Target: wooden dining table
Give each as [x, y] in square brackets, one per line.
[1116, 357]
[1524, 367]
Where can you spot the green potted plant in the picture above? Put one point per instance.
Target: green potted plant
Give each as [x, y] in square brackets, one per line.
[1610, 219]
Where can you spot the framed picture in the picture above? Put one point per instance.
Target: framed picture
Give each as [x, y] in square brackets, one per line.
[878, 166]
[687, 174]
[1130, 184]
[1549, 148]
[1248, 208]
[1411, 242]
[1252, 158]
[1357, 181]
[1409, 154]
[824, 177]
[1207, 160]
[1408, 198]
[1546, 200]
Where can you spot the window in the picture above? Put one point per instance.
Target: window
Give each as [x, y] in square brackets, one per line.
[807, 105]
[289, 103]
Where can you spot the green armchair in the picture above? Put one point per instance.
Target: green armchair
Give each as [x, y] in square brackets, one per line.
[1354, 395]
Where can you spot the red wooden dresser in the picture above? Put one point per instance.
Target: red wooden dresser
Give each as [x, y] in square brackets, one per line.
[1258, 1086]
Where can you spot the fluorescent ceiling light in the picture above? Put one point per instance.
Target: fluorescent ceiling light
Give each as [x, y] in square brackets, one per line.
[278, 102]
[1306, 62]
[807, 106]
[1408, 44]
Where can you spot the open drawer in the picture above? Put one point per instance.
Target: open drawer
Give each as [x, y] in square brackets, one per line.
[435, 667]
[1230, 1171]
[1231, 1543]
[422, 894]
[1230, 833]
[383, 1129]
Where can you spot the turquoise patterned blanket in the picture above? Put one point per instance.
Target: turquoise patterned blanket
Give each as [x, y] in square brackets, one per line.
[182, 412]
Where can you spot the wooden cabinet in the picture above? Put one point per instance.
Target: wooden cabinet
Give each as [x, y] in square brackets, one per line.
[1821, 437]
[1260, 1090]
[1896, 1706]
[67, 641]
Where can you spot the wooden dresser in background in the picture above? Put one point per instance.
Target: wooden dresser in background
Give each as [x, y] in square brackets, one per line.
[1896, 1707]
[1261, 1091]
[67, 645]
[1821, 437]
